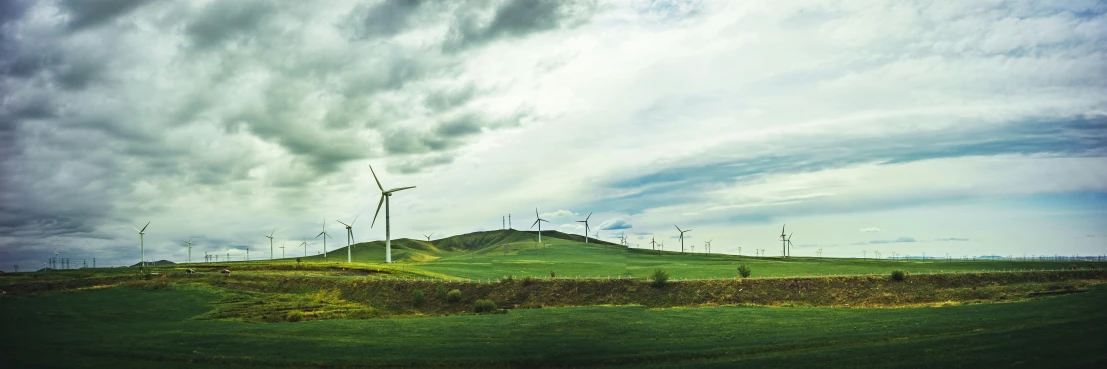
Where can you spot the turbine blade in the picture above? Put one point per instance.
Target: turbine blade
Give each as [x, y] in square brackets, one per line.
[355, 219]
[398, 189]
[678, 228]
[375, 178]
[379, 203]
[271, 233]
[136, 229]
[343, 223]
[144, 227]
[320, 234]
[588, 217]
[535, 222]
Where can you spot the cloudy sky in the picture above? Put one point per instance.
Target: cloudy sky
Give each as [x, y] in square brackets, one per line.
[959, 127]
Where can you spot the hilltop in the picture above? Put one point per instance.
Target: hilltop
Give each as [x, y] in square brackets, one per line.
[478, 243]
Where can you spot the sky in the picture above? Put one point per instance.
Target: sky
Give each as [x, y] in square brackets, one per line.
[964, 128]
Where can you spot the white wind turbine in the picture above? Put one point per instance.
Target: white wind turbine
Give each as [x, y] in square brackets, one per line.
[585, 221]
[428, 236]
[142, 242]
[282, 249]
[681, 237]
[350, 238]
[324, 235]
[385, 196]
[539, 223]
[189, 249]
[270, 237]
[783, 242]
[304, 244]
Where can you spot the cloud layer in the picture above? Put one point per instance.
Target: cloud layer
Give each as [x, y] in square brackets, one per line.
[223, 120]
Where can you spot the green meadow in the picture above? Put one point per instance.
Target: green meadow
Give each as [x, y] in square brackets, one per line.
[324, 312]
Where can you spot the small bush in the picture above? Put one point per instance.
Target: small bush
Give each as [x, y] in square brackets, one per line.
[552, 275]
[528, 280]
[440, 291]
[659, 277]
[484, 306]
[417, 297]
[744, 271]
[453, 296]
[898, 275]
[294, 316]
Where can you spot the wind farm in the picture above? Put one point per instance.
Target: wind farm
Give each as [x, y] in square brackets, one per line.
[934, 167]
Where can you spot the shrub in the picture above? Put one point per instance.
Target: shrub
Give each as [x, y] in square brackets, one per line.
[440, 291]
[484, 306]
[659, 277]
[294, 316]
[744, 271]
[552, 275]
[528, 280]
[417, 297]
[898, 275]
[453, 296]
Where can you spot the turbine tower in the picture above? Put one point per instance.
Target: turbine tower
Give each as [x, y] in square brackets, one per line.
[539, 223]
[681, 237]
[350, 238]
[385, 196]
[324, 235]
[270, 237]
[783, 242]
[189, 249]
[142, 242]
[585, 221]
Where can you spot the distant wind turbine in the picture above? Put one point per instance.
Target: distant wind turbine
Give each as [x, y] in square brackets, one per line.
[304, 244]
[783, 242]
[789, 242]
[681, 237]
[189, 249]
[282, 249]
[585, 221]
[142, 242]
[324, 235]
[539, 223]
[428, 236]
[385, 196]
[270, 237]
[350, 238]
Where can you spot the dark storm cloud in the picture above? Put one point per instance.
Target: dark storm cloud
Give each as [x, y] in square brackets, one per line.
[221, 21]
[90, 13]
[516, 18]
[383, 19]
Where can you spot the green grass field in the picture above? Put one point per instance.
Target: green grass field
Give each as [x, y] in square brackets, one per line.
[126, 327]
[364, 315]
[495, 254]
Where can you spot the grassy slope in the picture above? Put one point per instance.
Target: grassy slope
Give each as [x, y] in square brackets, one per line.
[126, 327]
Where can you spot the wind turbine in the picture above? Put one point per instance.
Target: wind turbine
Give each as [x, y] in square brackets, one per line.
[350, 238]
[324, 235]
[189, 249]
[707, 246]
[282, 249]
[653, 242]
[585, 221]
[539, 223]
[788, 241]
[304, 244]
[270, 237]
[681, 237]
[783, 242]
[142, 242]
[428, 236]
[385, 196]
